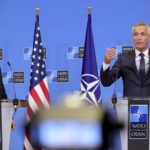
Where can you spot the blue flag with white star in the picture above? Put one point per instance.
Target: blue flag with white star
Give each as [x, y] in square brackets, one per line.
[90, 85]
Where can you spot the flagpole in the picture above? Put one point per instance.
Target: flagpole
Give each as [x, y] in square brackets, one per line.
[89, 8]
[37, 11]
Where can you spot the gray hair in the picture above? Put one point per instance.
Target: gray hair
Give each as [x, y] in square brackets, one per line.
[141, 24]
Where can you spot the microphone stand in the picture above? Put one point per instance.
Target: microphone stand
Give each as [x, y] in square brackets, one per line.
[114, 96]
[15, 100]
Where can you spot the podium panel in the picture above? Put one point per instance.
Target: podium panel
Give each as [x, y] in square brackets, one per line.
[6, 114]
[122, 112]
[134, 113]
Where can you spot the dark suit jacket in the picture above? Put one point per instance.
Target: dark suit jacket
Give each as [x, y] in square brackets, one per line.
[133, 84]
[2, 89]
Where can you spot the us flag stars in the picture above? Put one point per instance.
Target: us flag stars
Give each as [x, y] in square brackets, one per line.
[38, 64]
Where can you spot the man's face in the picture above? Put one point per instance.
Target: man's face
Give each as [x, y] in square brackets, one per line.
[140, 38]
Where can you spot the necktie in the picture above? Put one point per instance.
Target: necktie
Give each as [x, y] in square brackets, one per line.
[142, 66]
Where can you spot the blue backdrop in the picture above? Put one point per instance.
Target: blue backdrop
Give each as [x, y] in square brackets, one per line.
[63, 25]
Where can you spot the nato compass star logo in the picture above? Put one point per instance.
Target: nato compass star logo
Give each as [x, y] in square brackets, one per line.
[90, 89]
[51, 76]
[28, 53]
[73, 52]
[138, 113]
[7, 77]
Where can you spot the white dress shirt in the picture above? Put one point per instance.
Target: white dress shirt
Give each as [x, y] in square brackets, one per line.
[137, 60]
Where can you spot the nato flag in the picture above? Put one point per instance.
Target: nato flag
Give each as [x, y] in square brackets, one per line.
[90, 85]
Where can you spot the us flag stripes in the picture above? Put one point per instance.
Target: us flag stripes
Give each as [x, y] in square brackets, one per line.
[38, 93]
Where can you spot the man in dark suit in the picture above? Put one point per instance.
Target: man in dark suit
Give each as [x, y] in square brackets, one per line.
[3, 95]
[133, 66]
[2, 89]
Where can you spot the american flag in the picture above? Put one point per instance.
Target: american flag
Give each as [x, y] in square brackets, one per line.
[90, 86]
[38, 93]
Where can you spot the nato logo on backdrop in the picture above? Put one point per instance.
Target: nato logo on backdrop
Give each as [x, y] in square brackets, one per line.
[27, 51]
[62, 76]
[74, 52]
[18, 77]
[122, 49]
[1, 54]
[57, 76]
[7, 77]
[51, 76]
[138, 122]
[126, 49]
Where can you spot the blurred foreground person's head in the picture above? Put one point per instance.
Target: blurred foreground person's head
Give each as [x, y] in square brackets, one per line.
[70, 125]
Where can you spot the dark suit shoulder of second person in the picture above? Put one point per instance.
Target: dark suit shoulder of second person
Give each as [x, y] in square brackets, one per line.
[125, 59]
[124, 62]
[3, 94]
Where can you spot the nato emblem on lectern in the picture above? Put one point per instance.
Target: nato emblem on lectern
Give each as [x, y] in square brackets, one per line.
[138, 124]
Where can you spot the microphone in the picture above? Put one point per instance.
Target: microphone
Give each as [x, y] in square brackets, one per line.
[15, 100]
[114, 96]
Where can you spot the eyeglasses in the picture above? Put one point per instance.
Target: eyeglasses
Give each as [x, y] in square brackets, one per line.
[143, 34]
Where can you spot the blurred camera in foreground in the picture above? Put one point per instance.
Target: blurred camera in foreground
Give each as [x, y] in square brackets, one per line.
[69, 126]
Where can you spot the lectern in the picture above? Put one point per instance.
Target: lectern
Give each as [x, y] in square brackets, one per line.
[134, 112]
[6, 119]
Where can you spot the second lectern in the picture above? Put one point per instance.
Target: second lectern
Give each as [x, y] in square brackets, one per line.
[135, 115]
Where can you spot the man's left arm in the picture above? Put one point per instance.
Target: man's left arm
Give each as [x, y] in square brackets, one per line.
[108, 76]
